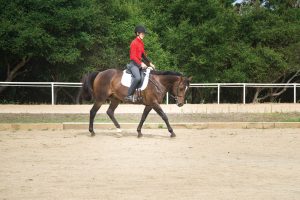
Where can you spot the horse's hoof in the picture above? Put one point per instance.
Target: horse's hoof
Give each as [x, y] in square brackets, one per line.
[93, 134]
[140, 135]
[172, 135]
[119, 130]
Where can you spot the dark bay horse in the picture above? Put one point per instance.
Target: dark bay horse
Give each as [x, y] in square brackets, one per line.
[106, 85]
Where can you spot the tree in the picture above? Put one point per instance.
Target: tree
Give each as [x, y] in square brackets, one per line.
[198, 35]
[56, 32]
[212, 40]
[272, 34]
[125, 16]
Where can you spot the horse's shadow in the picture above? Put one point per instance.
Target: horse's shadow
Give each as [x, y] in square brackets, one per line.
[123, 134]
[132, 134]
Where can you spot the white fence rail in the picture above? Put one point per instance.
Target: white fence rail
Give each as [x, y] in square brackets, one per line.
[52, 85]
[248, 85]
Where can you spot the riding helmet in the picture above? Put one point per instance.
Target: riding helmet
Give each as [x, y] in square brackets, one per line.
[140, 29]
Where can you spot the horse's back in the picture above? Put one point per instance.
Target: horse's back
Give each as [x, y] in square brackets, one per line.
[108, 75]
[106, 82]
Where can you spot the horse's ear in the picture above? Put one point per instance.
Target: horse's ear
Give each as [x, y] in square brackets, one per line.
[190, 78]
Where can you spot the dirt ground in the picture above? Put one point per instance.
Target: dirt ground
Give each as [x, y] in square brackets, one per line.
[197, 164]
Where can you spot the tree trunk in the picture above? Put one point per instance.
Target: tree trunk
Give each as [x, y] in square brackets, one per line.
[273, 93]
[72, 97]
[257, 92]
[11, 74]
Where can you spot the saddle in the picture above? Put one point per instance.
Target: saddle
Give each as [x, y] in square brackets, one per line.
[127, 79]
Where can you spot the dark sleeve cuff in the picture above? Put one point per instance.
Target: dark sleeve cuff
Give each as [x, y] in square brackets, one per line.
[145, 58]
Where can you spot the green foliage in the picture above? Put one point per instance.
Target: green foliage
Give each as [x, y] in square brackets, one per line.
[212, 40]
[56, 30]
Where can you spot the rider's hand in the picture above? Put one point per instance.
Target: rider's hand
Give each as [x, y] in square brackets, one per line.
[143, 66]
[151, 65]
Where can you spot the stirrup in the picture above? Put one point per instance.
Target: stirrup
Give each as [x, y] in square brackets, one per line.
[129, 98]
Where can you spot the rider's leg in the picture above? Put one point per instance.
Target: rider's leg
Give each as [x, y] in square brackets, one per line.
[136, 79]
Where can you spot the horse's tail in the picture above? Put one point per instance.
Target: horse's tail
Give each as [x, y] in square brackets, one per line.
[86, 91]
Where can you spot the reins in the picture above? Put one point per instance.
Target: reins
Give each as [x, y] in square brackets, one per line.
[159, 90]
[176, 96]
[156, 86]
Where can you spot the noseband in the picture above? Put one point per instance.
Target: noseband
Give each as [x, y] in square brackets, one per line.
[177, 91]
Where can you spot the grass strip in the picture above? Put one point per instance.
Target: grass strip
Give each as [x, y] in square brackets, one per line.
[154, 118]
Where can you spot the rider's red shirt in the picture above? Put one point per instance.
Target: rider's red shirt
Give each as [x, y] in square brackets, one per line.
[137, 50]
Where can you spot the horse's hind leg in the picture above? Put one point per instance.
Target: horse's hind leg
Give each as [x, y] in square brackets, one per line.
[111, 110]
[93, 113]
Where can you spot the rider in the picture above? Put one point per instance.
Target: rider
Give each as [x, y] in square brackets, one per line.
[137, 54]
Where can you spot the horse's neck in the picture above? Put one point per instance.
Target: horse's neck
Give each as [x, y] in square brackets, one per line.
[168, 81]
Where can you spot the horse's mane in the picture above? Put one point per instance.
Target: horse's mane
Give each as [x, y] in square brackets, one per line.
[154, 72]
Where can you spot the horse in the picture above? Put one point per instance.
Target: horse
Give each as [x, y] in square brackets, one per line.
[106, 86]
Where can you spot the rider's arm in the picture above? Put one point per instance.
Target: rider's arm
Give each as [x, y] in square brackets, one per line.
[146, 59]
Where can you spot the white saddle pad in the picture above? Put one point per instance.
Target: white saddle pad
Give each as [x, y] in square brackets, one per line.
[126, 79]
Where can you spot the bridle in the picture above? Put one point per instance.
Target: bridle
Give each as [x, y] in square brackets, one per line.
[177, 91]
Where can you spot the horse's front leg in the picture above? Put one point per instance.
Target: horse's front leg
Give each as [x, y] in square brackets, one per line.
[144, 116]
[93, 112]
[163, 115]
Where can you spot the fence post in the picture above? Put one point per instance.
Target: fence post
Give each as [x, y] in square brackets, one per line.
[218, 93]
[167, 98]
[52, 93]
[244, 93]
[295, 94]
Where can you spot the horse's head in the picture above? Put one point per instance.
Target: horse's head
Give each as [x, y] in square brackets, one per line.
[179, 89]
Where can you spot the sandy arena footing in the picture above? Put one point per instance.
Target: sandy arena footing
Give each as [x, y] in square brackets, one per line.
[197, 164]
